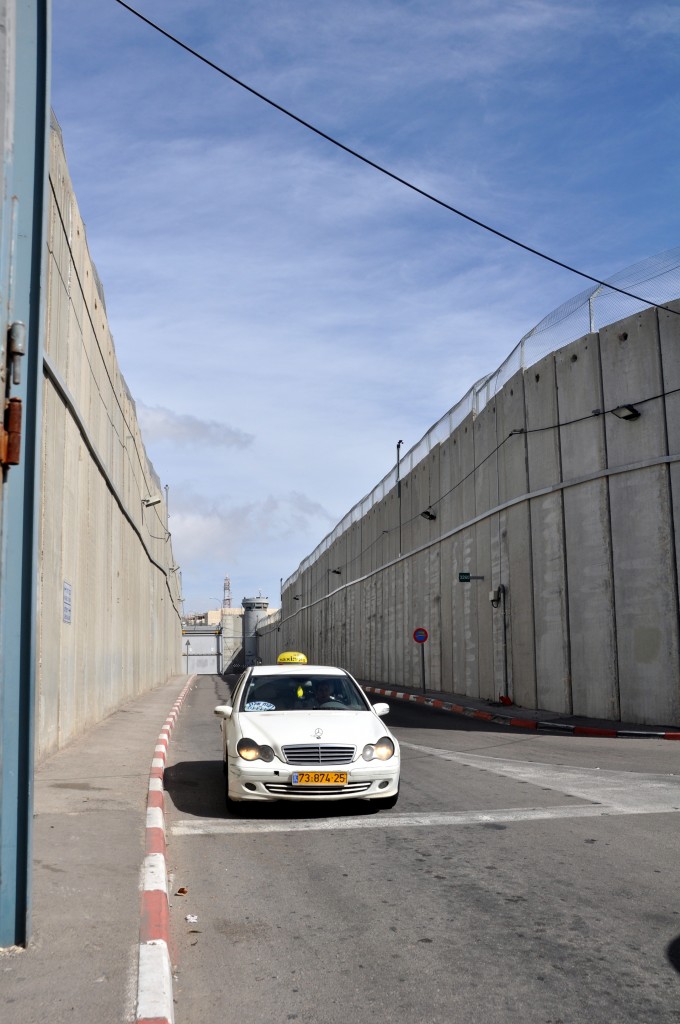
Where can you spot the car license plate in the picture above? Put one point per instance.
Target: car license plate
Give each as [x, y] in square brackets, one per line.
[319, 778]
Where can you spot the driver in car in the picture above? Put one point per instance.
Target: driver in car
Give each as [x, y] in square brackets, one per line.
[324, 692]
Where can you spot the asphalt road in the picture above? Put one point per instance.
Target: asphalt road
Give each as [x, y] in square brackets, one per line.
[521, 879]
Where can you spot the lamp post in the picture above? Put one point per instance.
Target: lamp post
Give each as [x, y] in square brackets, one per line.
[399, 444]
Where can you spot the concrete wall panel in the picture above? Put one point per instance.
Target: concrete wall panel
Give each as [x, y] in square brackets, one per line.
[591, 621]
[571, 509]
[486, 538]
[549, 593]
[446, 613]
[123, 633]
[644, 590]
[465, 621]
[641, 520]
[512, 457]
[631, 373]
[550, 605]
[669, 339]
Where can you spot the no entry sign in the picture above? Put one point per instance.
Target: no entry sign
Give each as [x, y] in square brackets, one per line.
[420, 635]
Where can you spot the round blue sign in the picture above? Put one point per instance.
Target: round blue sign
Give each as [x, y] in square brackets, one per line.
[420, 635]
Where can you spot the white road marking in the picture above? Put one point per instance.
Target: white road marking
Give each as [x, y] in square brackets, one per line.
[624, 792]
[424, 819]
[608, 793]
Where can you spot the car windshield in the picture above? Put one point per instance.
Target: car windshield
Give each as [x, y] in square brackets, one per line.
[301, 692]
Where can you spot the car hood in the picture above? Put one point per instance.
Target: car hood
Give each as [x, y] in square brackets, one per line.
[283, 727]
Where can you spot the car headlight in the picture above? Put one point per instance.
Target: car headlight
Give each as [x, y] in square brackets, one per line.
[383, 750]
[249, 750]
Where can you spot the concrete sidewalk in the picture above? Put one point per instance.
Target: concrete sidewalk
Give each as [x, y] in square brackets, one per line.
[516, 717]
[88, 849]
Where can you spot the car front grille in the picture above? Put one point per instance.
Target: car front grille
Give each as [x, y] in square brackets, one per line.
[288, 789]
[318, 753]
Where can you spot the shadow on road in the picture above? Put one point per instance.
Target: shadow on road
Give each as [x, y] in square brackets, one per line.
[197, 788]
[673, 953]
[411, 716]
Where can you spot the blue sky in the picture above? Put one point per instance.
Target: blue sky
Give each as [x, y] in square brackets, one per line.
[282, 313]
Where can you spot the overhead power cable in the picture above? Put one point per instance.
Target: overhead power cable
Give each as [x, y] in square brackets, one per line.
[384, 170]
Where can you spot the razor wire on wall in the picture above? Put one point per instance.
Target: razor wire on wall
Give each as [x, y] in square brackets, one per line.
[585, 313]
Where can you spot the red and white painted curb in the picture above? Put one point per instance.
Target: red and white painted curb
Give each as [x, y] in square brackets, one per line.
[517, 722]
[154, 978]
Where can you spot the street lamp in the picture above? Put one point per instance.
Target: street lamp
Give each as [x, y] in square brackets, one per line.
[399, 444]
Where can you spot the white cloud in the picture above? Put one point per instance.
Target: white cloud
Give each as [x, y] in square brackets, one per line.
[163, 425]
[282, 313]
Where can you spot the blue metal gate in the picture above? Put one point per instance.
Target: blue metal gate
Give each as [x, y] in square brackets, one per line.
[24, 107]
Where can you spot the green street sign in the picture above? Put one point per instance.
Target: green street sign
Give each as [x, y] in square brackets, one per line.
[463, 577]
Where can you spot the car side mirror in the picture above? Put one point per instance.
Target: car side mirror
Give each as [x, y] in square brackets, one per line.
[381, 709]
[223, 710]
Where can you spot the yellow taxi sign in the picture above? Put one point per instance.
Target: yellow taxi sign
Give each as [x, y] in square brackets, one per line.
[291, 658]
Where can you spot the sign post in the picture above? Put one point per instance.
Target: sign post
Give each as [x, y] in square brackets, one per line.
[420, 636]
[188, 647]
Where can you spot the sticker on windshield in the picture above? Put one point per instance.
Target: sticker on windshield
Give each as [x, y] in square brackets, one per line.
[260, 705]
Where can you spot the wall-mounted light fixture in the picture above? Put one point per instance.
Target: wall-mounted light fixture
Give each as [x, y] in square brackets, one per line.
[296, 597]
[153, 499]
[336, 572]
[173, 568]
[626, 412]
[399, 444]
[429, 514]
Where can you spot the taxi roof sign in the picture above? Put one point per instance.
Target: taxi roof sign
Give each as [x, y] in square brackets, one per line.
[291, 658]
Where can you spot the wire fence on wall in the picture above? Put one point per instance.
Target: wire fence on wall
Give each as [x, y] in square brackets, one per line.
[588, 311]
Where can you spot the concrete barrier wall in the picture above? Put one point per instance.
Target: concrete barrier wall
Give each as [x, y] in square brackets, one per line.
[109, 615]
[546, 494]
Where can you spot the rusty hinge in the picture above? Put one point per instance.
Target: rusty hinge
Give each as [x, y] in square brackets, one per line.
[10, 432]
[10, 438]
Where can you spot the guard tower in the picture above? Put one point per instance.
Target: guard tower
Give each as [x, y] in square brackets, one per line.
[254, 609]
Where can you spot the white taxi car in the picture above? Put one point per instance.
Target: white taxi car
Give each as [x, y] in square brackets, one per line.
[306, 732]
